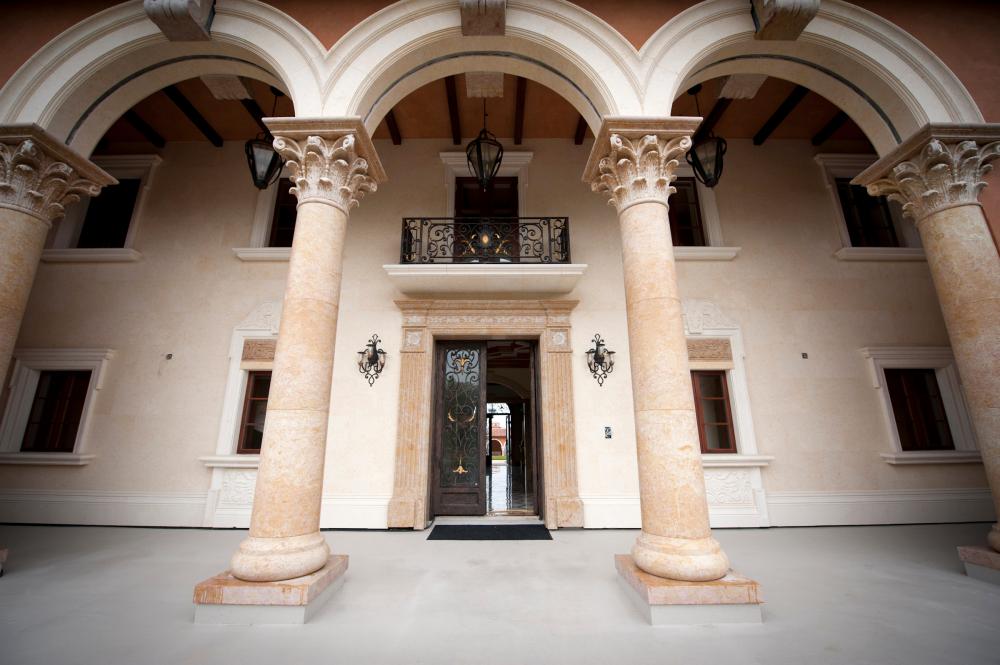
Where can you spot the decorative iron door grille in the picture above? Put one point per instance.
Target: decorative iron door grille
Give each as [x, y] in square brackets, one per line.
[485, 240]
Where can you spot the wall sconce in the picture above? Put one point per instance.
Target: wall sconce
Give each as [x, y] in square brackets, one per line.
[371, 360]
[600, 360]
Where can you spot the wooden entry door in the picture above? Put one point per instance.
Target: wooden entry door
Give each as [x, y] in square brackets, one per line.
[460, 435]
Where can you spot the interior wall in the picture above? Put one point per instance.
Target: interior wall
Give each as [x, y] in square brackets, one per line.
[819, 418]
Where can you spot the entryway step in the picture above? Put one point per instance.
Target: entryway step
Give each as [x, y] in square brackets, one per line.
[486, 519]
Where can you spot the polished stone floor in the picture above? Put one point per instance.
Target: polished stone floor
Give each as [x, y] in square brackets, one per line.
[507, 489]
[852, 595]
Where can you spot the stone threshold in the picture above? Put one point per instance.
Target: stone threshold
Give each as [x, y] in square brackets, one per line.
[732, 599]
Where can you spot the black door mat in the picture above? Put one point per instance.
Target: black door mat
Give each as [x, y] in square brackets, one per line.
[489, 532]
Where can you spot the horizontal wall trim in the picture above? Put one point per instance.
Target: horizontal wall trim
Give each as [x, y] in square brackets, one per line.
[917, 506]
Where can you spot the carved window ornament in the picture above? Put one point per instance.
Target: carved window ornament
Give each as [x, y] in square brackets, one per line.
[600, 360]
[371, 360]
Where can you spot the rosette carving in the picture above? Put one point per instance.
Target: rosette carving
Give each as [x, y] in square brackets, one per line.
[327, 170]
[638, 170]
[35, 183]
[940, 176]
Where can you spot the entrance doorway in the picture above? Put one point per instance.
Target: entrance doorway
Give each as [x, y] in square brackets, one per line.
[486, 444]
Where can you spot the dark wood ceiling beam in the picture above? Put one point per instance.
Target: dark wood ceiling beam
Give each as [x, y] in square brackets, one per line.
[192, 114]
[712, 119]
[522, 85]
[456, 126]
[836, 122]
[787, 106]
[581, 131]
[390, 123]
[141, 126]
[253, 108]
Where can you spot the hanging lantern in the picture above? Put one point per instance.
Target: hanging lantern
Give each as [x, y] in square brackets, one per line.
[707, 151]
[484, 154]
[264, 162]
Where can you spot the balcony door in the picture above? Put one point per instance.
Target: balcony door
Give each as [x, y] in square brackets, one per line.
[486, 226]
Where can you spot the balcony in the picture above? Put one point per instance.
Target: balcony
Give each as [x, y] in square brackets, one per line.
[485, 255]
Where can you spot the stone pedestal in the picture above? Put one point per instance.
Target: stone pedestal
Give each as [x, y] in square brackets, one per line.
[982, 563]
[224, 599]
[732, 599]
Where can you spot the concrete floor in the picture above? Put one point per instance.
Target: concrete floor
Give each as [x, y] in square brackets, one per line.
[858, 595]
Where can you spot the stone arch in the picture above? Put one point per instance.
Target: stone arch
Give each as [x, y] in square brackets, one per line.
[82, 81]
[557, 44]
[885, 80]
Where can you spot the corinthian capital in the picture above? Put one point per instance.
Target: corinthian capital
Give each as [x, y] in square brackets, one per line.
[634, 160]
[40, 176]
[332, 160]
[940, 167]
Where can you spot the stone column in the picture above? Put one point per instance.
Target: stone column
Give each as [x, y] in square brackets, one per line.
[39, 176]
[937, 175]
[633, 161]
[333, 164]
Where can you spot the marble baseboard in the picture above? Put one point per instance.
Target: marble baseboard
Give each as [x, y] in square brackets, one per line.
[733, 599]
[981, 563]
[223, 599]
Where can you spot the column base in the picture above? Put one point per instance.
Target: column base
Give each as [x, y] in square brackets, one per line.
[732, 599]
[692, 560]
[981, 563]
[223, 599]
[276, 559]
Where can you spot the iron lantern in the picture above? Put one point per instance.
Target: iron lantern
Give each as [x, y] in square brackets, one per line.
[484, 154]
[371, 360]
[707, 151]
[264, 161]
[600, 360]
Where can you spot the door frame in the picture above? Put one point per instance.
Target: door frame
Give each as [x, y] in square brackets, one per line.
[427, 321]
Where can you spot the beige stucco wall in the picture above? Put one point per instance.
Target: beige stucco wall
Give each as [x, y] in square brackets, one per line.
[820, 418]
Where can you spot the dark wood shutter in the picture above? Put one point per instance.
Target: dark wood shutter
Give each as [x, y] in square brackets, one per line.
[56, 410]
[918, 409]
[686, 228]
[283, 218]
[109, 215]
[715, 416]
[254, 412]
[868, 218]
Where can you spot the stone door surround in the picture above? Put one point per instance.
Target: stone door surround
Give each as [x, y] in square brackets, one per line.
[548, 321]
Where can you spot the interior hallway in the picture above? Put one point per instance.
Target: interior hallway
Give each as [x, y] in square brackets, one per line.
[858, 595]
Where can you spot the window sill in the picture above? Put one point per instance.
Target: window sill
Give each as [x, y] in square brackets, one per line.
[881, 254]
[91, 255]
[230, 461]
[262, 253]
[46, 459]
[706, 253]
[935, 457]
[727, 460]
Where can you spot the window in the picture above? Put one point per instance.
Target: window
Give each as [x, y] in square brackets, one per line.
[715, 419]
[685, 215]
[109, 215]
[55, 412]
[870, 228]
[923, 405]
[918, 409]
[254, 411]
[869, 218]
[52, 393]
[283, 218]
[103, 228]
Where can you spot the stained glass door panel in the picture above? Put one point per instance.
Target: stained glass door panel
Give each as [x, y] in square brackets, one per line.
[460, 427]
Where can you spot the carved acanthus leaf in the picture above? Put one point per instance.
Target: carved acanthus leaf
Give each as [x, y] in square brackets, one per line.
[33, 182]
[639, 170]
[327, 170]
[940, 176]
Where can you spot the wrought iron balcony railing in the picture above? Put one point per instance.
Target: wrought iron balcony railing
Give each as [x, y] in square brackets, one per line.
[485, 240]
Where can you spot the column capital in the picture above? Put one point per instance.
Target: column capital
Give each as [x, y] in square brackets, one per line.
[40, 175]
[940, 166]
[332, 160]
[634, 159]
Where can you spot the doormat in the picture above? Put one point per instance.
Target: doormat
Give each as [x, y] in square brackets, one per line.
[489, 532]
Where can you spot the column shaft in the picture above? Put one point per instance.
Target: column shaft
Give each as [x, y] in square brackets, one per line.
[22, 237]
[965, 268]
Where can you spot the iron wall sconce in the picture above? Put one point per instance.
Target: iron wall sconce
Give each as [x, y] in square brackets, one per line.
[600, 360]
[371, 360]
